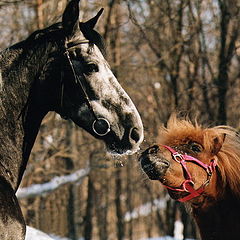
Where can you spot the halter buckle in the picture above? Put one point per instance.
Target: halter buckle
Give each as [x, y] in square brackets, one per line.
[176, 156]
[209, 171]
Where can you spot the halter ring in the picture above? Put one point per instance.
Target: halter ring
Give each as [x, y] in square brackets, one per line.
[101, 127]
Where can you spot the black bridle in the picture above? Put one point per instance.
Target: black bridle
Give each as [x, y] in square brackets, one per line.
[100, 126]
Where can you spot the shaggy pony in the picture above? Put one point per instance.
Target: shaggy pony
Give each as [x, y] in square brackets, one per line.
[201, 167]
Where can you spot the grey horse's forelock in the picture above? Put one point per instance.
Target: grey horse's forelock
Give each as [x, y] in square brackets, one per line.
[90, 34]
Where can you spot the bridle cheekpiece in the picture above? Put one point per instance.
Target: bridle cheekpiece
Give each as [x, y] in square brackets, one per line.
[100, 125]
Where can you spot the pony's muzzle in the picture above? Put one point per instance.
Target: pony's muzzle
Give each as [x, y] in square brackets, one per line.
[153, 164]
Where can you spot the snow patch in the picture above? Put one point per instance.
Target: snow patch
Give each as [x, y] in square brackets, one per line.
[145, 209]
[178, 230]
[164, 238]
[56, 182]
[34, 234]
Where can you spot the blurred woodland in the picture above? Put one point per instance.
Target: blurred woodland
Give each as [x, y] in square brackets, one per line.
[169, 55]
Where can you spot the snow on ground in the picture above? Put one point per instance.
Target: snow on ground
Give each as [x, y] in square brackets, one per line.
[34, 234]
[144, 210]
[56, 182]
[164, 238]
[39, 189]
[161, 238]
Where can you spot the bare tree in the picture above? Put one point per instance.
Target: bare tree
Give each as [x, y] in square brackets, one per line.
[169, 56]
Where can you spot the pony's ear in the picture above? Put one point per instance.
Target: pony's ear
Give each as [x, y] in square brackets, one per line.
[217, 143]
[70, 19]
[90, 24]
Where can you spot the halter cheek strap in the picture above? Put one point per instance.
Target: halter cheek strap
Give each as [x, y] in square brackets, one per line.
[188, 183]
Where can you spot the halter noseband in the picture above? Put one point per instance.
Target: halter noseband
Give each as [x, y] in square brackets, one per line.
[100, 126]
[188, 183]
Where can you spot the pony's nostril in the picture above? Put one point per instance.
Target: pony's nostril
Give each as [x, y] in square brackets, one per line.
[134, 134]
[153, 150]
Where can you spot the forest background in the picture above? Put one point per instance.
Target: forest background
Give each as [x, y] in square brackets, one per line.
[169, 55]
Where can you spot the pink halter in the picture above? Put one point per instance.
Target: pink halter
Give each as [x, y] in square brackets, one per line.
[187, 185]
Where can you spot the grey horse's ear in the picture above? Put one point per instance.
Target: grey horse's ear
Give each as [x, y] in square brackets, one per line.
[70, 19]
[90, 24]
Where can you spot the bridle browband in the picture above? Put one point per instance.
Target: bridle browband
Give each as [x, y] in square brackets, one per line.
[100, 126]
[188, 184]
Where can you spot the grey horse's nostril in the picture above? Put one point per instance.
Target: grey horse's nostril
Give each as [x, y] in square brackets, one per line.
[134, 134]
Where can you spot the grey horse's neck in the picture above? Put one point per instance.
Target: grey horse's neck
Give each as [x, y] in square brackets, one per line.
[18, 69]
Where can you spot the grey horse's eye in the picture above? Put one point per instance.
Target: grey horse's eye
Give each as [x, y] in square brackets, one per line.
[90, 68]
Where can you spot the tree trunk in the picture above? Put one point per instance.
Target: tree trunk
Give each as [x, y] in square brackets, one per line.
[88, 225]
[119, 212]
[170, 216]
[71, 214]
[222, 78]
[40, 17]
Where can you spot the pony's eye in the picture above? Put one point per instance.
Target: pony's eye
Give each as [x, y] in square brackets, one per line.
[90, 68]
[196, 148]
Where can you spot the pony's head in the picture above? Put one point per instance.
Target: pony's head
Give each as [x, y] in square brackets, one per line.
[195, 163]
[76, 82]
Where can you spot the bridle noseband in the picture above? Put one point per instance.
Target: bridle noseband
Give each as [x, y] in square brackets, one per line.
[100, 125]
[188, 184]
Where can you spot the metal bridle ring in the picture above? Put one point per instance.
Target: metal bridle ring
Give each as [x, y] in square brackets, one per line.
[101, 127]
